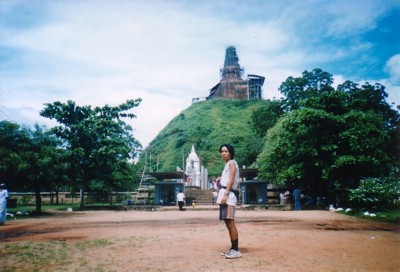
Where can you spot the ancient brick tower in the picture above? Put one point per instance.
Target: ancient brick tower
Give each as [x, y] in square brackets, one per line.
[232, 86]
[231, 70]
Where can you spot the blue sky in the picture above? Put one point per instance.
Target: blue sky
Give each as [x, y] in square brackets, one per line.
[167, 52]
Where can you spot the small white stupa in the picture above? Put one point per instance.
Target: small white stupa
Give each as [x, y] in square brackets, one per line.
[193, 169]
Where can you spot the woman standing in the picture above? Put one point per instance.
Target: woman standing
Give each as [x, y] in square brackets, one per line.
[227, 198]
[3, 203]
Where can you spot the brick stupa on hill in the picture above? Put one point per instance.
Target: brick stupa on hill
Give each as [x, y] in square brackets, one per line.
[232, 86]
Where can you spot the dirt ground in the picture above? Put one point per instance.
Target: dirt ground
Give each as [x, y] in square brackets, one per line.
[192, 241]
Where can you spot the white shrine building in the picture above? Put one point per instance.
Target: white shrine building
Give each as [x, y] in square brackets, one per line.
[197, 175]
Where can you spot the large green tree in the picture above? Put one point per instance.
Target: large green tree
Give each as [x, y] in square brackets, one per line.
[45, 165]
[100, 144]
[31, 160]
[298, 149]
[14, 142]
[330, 137]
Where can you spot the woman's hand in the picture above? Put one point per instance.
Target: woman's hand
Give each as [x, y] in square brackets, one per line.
[224, 199]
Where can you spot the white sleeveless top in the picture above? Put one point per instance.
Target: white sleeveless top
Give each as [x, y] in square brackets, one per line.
[226, 173]
[231, 200]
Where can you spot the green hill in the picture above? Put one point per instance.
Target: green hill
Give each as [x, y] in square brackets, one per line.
[207, 125]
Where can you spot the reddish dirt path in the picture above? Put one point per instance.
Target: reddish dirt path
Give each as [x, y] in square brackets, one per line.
[192, 240]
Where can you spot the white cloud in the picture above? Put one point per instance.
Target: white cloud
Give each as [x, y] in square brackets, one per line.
[337, 80]
[393, 91]
[392, 84]
[154, 113]
[393, 68]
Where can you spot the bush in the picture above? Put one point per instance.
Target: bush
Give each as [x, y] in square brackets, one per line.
[376, 194]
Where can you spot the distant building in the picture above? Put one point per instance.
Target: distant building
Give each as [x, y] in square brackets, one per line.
[193, 169]
[198, 99]
[196, 174]
[232, 86]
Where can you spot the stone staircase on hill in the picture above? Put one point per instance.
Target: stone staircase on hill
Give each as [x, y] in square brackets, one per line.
[204, 197]
[198, 196]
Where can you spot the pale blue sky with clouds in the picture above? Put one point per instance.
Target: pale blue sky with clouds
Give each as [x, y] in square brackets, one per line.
[167, 52]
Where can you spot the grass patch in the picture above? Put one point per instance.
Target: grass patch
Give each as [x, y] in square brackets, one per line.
[52, 255]
[92, 243]
[27, 211]
[389, 216]
[40, 256]
[45, 208]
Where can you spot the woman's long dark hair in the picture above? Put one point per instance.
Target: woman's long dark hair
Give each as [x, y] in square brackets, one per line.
[230, 149]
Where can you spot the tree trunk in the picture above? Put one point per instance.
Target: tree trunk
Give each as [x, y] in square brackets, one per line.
[51, 198]
[82, 197]
[38, 201]
[57, 197]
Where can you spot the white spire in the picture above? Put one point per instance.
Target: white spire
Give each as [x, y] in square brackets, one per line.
[193, 155]
[193, 168]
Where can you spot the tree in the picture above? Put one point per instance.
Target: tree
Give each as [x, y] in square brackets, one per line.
[330, 138]
[99, 142]
[30, 160]
[298, 150]
[265, 117]
[14, 142]
[311, 84]
[377, 194]
[46, 166]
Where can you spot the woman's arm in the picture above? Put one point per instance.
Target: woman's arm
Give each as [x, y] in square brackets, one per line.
[232, 174]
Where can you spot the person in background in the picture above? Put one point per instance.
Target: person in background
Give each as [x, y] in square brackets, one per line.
[214, 195]
[227, 198]
[218, 183]
[287, 197]
[3, 203]
[281, 199]
[180, 197]
[215, 189]
[214, 184]
[297, 199]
